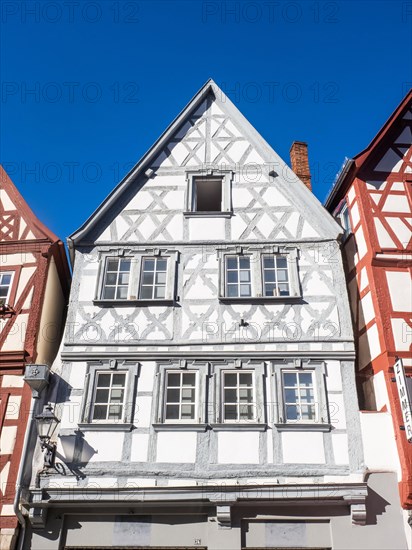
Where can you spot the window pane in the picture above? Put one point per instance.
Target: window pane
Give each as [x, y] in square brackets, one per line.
[125, 265]
[111, 278]
[188, 412]
[230, 396]
[270, 290]
[161, 265]
[289, 379]
[291, 396]
[115, 412]
[283, 289]
[112, 265]
[161, 278]
[308, 412]
[172, 412]
[232, 291]
[100, 412]
[148, 278]
[269, 276]
[282, 275]
[119, 380]
[109, 293]
[6, 278]
[160, 292]
[281, 262]
[245, 276]
[245, 290]
[173, 379]
[246, 412]
[268, 262]
[148, 265]
[306, 395]
[230, 412]
[232, 276]
[245, 379]
[173, 395]
[117, 395]
[123, 279]
[121, 293]
[291, 412]
[188, 394]
[244, 263]
[189, 379]
[230, 379]
[245, 395]
[231, 263]
[146, 292]
[3, 291]
[103, 380]
[102, 396]
[305, 379]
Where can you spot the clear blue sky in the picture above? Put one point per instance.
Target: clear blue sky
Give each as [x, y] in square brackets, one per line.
[107, 77]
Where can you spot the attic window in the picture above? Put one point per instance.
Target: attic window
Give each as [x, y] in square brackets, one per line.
[207, 196]
[209, 193]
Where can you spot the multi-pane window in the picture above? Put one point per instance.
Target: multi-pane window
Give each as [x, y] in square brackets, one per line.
[180, 396]
[116, 279]
[275, 275]
[299, 396]
[5, 284]
[238, 276]
[238, 390]
[153, 278]
[109, 394]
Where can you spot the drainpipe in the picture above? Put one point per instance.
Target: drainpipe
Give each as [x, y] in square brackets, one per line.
[22, 465]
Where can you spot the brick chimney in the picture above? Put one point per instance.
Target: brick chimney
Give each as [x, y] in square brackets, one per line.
[300, 162]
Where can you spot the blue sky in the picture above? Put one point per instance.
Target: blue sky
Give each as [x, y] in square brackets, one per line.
[87, 87]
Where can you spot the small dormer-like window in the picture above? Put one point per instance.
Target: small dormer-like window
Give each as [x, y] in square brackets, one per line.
[209, 193]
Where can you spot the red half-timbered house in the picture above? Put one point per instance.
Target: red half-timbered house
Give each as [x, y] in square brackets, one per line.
[372, 197]
[34, 286]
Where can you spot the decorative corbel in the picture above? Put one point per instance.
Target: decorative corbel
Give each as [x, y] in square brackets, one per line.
[358, 513]
[38, 513]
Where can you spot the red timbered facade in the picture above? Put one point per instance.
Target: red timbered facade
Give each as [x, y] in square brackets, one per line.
[34, 286]
[373, 198]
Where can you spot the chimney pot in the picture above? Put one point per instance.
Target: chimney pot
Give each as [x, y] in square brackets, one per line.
[300, 162]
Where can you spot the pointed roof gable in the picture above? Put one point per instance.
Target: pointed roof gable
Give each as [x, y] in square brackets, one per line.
[379, 144]
[17, 221]
[290, 184]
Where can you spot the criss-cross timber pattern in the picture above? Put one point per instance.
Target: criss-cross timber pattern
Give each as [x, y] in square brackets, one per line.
[389, 198]
[201, 318]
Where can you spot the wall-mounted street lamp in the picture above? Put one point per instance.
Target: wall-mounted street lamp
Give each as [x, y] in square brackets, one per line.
[46, 425]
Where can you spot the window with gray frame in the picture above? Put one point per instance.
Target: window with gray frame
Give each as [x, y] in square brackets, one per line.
[238, 396]
[5, 285]
[116, 279]
[275, 275]
[153, 279]
[299, 396]
[180, 396]
[207, 194]
[238, 276]
[108, 396]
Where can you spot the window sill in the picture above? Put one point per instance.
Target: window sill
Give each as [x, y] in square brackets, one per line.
[103, 427]
[125, 303]
[180, 427]
[303, 427]
[239, 426]
[188, 214]
[259, 299]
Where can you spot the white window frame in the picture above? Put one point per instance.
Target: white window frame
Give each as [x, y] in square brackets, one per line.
[238, 420]
[216, 396]
[119, 259]
[238, 258]
[95, 388]
[275, 269]
[181, 372]
[256, 254]
[155, 272]
[322, 414]
[343, 216]
[136, 256]
[132, 370]
[314, 403]
[226, 176]
[5, 299]
[199, 423]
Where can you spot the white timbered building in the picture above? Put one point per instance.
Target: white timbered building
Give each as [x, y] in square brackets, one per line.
[205, 388]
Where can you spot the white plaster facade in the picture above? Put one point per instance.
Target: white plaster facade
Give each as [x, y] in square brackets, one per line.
[207, 481]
